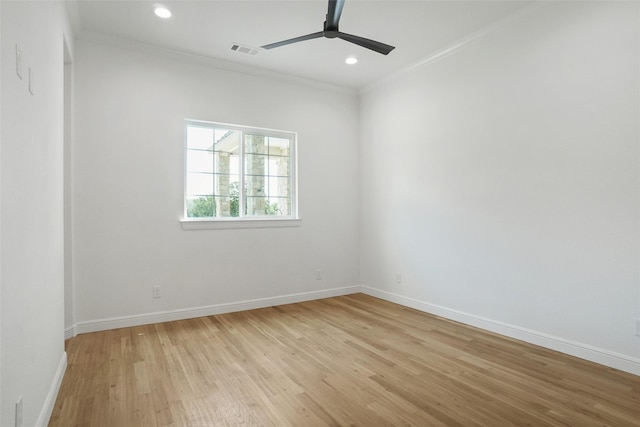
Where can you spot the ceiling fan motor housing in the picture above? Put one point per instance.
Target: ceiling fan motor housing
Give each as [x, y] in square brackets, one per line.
[330, 33]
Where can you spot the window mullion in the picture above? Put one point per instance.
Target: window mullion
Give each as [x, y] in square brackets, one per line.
[242, 195]
[214, 176]
[293, 191]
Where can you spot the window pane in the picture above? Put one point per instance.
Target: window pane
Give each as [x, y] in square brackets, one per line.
[278, 146]
[199, 137]
[256, 205]
[228, 195]
[226, 184]
[278, 166]
[256, 164]
[267, 175]
[255, 185]
[227, 141]
[278, 206]
[199, 184]
[199, 161]
[255, 144]
[200, 207]
[268, 206]
[227, 207]
[278, 187]
[255, 182]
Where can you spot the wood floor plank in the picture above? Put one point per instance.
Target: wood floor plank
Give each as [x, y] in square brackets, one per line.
[346, 361]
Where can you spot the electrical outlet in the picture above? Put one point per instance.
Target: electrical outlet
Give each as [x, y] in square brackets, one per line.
[318, 274]
[638, 326]
[19, 412]
[156, 291]
[398, 278]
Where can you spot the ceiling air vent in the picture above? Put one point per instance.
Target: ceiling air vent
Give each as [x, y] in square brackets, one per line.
[245, 49]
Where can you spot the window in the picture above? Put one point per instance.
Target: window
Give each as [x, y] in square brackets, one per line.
[238, 173]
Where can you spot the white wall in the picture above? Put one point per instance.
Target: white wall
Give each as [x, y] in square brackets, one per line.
[130, 104]
[32, 311]
[502, 181]
[1, 215]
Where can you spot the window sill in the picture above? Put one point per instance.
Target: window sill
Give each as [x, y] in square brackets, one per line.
[208, 224]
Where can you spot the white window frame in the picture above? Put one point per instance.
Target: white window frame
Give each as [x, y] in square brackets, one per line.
[292, 220]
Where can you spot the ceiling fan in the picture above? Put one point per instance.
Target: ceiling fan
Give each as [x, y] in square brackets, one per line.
[331, 31]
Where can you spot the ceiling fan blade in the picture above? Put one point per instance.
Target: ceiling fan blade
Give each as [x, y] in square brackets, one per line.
[333, 14]
[369, 44]
[294, 40]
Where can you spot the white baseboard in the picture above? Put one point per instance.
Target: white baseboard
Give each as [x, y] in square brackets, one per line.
[583, 351]
[70, 332]
[189, 313]
[50, 401]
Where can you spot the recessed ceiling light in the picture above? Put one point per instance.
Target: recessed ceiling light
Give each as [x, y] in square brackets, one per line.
[351, 60]
[162, 12]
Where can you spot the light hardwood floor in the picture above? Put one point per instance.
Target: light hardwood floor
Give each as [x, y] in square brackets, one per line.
[352, 360]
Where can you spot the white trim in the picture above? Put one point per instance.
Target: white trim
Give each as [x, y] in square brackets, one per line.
[189, 313]
[205, 224]
[70, 332]
[217, 63]
[584, 351]
[50, 401]
[237, 222]
[208, 124]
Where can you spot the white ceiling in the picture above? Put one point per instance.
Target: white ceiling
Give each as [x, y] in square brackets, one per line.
[417, 28]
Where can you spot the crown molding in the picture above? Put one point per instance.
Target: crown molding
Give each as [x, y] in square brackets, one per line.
[208, 61]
